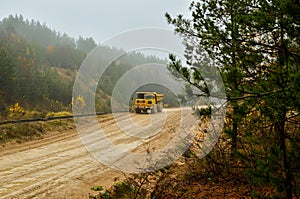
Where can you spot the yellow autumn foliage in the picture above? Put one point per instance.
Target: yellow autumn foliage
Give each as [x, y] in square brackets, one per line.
[16, 111]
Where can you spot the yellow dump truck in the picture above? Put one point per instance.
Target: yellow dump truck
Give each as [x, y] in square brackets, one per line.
[149, 102]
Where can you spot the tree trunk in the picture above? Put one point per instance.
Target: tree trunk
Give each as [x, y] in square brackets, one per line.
[234, 135]
[279, 128]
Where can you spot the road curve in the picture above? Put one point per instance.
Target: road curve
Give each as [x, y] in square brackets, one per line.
[60, 166]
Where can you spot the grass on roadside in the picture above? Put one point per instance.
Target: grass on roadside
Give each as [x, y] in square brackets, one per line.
[27, 131]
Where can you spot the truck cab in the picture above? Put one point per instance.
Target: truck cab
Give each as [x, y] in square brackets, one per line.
[148, 102]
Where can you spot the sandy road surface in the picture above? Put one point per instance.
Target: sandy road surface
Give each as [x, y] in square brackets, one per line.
[59, 166]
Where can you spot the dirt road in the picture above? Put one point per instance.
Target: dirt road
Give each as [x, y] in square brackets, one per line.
[60, 166]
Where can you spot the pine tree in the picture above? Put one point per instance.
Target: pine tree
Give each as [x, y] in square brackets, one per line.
[7, 67]
[255, 44]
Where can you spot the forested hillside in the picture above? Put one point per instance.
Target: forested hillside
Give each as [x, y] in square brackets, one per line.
[38, 67]
[37, 64]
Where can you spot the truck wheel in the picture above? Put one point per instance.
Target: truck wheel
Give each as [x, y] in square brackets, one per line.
[159, 107]
[154, 109]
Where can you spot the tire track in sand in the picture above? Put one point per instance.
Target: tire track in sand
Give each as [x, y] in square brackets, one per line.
[60, 167]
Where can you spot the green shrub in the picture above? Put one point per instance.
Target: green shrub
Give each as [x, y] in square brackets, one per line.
[33, 114]
[58, 114]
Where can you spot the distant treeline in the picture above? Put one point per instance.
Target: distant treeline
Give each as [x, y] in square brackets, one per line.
[38, 66]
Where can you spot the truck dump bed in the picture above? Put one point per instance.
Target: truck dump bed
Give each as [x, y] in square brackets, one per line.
[160, 97]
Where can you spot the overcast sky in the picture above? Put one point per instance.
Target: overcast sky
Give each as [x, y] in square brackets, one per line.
[100, 19]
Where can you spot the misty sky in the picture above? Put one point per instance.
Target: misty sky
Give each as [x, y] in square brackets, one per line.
[100, 19]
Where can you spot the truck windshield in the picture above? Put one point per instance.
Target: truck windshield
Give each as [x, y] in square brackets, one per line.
[140, 95]
[148, 97]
